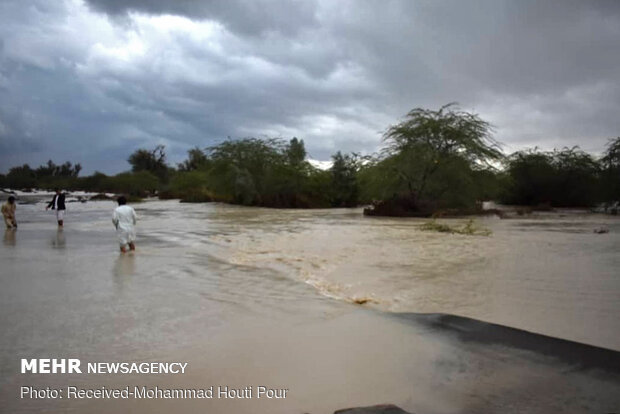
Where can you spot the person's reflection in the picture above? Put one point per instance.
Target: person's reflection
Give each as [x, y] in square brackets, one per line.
[9, 237]
[124, 268]
[58, 239]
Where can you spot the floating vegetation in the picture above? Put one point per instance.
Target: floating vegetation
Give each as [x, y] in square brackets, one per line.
[363, 300]
[469, 228]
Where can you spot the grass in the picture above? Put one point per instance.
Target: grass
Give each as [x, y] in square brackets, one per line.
[469, 228]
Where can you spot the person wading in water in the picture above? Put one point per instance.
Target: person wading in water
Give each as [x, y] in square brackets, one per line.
[124, 219]
[8, 212]
[58, 204]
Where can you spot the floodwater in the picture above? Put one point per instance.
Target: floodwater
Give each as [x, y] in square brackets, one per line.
[548, 273]
[251, 296]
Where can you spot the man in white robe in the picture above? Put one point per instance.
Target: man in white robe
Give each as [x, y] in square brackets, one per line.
[124, 219]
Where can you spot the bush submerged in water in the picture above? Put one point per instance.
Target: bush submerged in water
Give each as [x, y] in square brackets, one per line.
[140, 184]
[399, 207]
[197, 196]
[409, 207]
[469, 228]
[189, 187]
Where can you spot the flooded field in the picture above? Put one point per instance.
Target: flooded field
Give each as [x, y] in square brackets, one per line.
[252, 296]
[548, 273]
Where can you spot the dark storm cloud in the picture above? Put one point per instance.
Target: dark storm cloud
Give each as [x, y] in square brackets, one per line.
[93, 81]
[252, 17]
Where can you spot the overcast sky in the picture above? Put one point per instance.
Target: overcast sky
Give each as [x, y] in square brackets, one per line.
[91, 81]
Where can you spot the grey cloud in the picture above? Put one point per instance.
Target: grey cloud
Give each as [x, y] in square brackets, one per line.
[255, 17]
[80, 86]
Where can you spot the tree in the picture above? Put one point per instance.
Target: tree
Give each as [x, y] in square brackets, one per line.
[267, 172]
[52, 170]
[344, 185]
[93, 182]
[611, 171]
[296, 169]
[69, 170]
[242, 168]
[429, 162]
[21, 177]
[296, 151]
[530, 177]
[427, 140]
[48, 170]
[577, 178]
[139, 184]
[561, 178]
[196, 159]
[611, 157]
[152, 161]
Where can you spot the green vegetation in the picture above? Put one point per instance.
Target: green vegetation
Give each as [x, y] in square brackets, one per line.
[566, 178]
[45, 175]
[189, 186]
[469, 228]
[433, 163]
[140, 184]
[610, 171]
[433, 160]
[153, 162]
[253, 172]
[344, 187]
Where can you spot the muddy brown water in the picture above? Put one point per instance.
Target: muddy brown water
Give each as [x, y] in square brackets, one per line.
[253, 297]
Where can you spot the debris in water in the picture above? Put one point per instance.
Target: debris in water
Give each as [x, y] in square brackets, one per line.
[363, 300]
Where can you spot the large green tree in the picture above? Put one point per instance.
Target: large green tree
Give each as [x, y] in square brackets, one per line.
[243, 169]
[430, 158]
[427, 141]
[153, 161]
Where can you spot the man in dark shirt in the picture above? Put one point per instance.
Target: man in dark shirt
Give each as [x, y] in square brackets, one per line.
[58, 204]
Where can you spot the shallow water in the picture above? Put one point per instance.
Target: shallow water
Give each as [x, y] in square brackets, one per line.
[259, 296]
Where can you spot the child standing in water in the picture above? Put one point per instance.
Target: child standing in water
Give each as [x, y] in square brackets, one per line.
[8, 212]
[124, 219]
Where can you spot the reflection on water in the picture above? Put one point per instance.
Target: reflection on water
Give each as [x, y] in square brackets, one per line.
[58, 240]
[9, 237]
[124, 268]
[125, 265]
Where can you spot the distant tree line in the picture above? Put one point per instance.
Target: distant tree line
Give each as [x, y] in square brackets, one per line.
[263, 172]
[44, 176]
[443, 160]
[561, 178]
